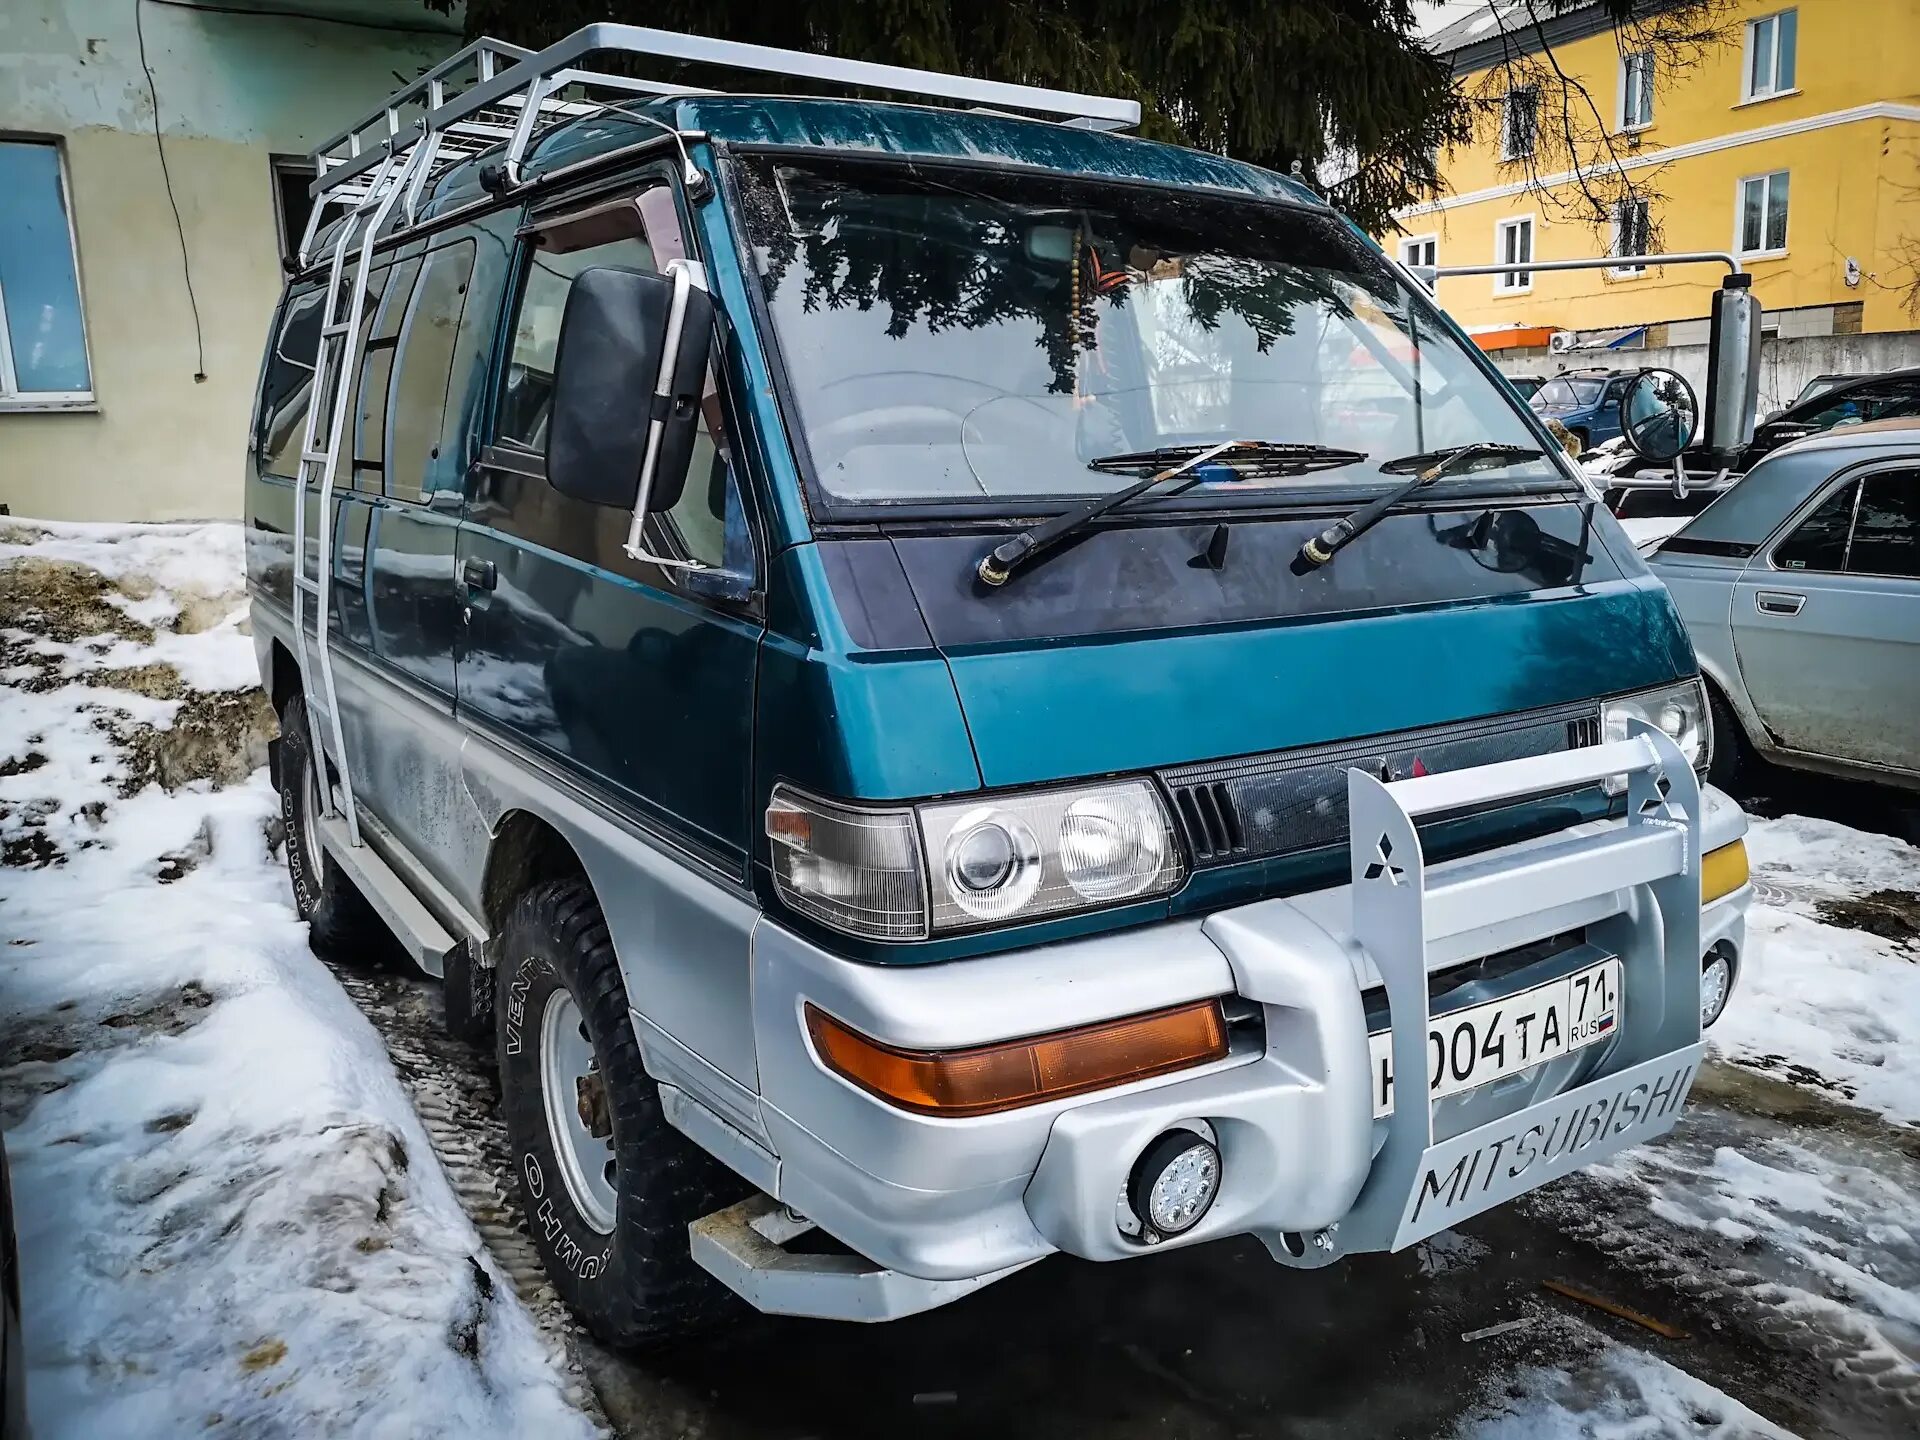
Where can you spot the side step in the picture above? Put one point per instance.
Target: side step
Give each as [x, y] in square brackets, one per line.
[744, 1248]
[424, 937]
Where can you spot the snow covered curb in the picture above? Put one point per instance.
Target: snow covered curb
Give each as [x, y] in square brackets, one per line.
[229, 1214]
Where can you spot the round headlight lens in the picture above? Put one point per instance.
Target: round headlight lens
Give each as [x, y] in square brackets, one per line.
[992, 863]
[1673, 720]
[1112, 845]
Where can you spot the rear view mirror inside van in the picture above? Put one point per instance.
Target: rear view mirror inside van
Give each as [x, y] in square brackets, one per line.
[622, 363]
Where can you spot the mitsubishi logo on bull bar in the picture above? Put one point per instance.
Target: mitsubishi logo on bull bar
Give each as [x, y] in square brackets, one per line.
[1383, 864]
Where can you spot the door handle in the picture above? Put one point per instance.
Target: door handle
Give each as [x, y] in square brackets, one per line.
[1778, 602]
[479, 574]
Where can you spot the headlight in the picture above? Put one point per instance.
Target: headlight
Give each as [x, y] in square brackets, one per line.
[1679, 710]
[900, 874]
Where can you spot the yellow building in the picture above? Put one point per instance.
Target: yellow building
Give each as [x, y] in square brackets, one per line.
[1791, 139]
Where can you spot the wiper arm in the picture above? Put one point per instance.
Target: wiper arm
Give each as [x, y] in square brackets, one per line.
[1250, 459]
[1431, 466]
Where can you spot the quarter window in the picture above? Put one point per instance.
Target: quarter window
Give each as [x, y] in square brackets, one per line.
[1820, 542]
[1636, 90]
[1886, 529]
[382, 338]
[416, 414]
[1763, 214]
[1771, 43]
[1513, 245]
[43, 340]
[289, 385]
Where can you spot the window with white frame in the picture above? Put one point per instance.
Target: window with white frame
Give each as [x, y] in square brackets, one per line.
[1513, 245]
[43, 338]
[1771, 43]
[1419, 250]
[1519, 123]
[1763, 214]
[1632, 233]
[1636, 90]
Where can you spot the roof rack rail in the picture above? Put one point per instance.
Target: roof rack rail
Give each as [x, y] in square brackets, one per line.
[491, 93]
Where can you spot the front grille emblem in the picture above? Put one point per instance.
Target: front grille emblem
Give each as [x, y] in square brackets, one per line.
[1383, 864]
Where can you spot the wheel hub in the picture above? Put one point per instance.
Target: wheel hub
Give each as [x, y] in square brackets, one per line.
[579, 1111]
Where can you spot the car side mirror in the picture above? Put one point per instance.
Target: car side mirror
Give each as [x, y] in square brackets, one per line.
[1659, 415]
[627, 376]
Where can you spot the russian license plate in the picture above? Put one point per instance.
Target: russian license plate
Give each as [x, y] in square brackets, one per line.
[1481, 1043]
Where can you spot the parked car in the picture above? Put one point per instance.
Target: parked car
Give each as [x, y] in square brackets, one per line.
[809, 650]
[1801, 589]
[1527, 385]
[13, 1365]
[1819, 385]
[1587, 402]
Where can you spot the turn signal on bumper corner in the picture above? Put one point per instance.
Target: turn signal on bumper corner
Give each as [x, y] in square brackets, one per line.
[987, 1078]
[1723, 871]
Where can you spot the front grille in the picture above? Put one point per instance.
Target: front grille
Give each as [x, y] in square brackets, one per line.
[1211, 822]
[1293, 800]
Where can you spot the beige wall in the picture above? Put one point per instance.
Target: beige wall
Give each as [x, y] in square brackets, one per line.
[234, 90]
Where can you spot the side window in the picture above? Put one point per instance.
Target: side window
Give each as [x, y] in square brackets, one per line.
[1820, 542]
[381, 336]
[527, 389]
[289, 384]
[1886, 532]
[416, 412]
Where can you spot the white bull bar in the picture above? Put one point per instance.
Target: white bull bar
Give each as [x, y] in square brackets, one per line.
[1398, 913]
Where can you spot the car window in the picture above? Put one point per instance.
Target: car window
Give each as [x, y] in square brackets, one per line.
[1856, 406]
[417, 412]
[1886, 530]
[380, 338]
[289, 382]
[1820, 541]
[1615, 389]
[1562, 391]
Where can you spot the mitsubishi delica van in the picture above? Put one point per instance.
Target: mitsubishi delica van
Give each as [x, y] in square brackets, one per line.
[947, 685]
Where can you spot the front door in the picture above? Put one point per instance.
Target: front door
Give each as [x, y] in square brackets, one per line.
[1826, 624]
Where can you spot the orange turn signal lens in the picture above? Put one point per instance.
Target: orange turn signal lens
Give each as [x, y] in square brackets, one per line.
[1005, 1076]
[1723, 871]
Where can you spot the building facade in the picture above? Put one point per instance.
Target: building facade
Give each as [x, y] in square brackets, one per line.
[1791, 141]
[148, 182]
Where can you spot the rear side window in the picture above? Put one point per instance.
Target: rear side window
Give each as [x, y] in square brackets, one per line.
[423, 367]
[289, 383]
[1820, 542]
[381, 339]
[1886, 531]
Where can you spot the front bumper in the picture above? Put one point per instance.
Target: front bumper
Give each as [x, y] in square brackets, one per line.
[1305, 1166]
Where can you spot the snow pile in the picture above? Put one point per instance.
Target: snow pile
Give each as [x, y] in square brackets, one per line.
[230, 1218]
[1831, 993]
[1622, 1395]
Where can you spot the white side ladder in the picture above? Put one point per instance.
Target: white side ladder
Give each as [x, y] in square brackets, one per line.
[335, 359]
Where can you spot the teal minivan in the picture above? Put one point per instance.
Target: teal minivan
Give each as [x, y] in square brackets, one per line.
[948, 685]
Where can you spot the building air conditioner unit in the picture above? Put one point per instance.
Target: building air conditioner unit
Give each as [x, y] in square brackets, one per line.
[1560, 342]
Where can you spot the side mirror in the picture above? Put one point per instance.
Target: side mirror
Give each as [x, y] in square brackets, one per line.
[1659, 415]
[627, 377]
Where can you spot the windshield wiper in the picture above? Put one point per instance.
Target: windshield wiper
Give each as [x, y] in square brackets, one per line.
[1249, 459]
[1431, 466]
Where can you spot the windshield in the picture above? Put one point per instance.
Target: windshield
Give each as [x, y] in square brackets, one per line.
[959, 334]
[1562, 391]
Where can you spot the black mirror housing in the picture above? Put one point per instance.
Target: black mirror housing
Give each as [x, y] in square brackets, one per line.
[615, 336]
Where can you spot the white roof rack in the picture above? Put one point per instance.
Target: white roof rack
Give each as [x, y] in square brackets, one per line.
[491, 93]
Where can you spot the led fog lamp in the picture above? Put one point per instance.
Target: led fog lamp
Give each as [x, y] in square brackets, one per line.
[1174, 1182]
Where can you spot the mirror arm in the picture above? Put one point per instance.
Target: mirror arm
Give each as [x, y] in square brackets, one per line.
[687, 277]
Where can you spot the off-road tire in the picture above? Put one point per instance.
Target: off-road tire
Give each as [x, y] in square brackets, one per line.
[341, 925]
[638, 1285]
[1729, 757]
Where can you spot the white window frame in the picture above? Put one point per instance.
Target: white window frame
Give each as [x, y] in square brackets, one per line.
[1506, 124]
[1766, 209]
[1411, 245]
[1629, 272]
[1628, 125]
[1749, 93]
[12, 397]
[1512, 284]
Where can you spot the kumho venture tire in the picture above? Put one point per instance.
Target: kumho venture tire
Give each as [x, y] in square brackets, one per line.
[341, 925]
[612, 1232]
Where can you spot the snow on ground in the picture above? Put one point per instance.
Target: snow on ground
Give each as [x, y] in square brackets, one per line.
[230, 1218]
[1826, 1001]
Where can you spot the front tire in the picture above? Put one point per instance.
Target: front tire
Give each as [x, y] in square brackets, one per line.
[608, 1186]
[1729, 757]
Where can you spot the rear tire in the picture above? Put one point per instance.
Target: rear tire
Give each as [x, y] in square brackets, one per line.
[1729, 741]
[608, 1186]
[341, 926]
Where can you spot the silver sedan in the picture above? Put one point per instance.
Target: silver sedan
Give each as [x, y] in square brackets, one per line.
[1801, 589]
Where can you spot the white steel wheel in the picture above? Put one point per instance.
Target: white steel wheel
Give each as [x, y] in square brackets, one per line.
[579, 1118]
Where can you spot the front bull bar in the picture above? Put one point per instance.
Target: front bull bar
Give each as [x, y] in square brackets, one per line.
[1417, 1186]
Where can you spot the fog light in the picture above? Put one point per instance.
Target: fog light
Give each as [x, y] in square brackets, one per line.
[1174, 1183]
[1716, 984]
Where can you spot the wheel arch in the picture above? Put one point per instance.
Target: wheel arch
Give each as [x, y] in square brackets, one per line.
[526, 849]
